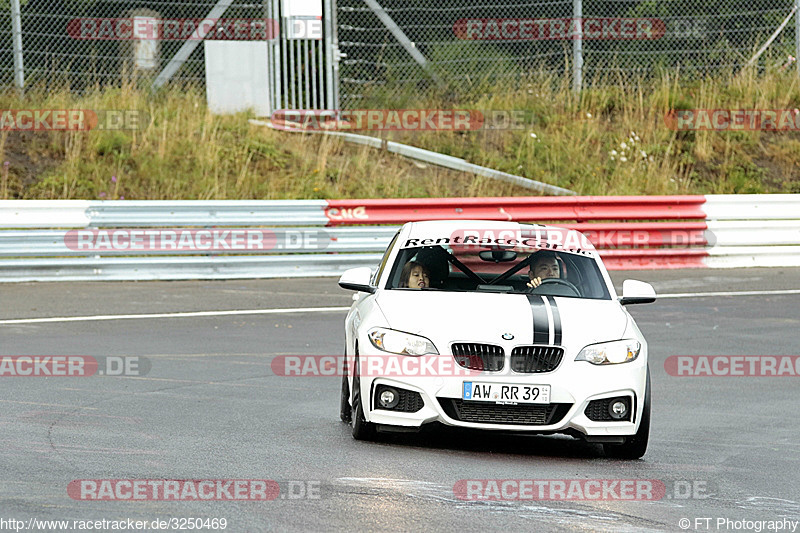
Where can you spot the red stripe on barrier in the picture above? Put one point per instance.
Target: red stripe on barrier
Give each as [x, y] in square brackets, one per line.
[654, 258]
[523, 209]
[615, 235]
[623, 245]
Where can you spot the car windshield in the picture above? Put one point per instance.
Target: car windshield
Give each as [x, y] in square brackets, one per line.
[474, 268]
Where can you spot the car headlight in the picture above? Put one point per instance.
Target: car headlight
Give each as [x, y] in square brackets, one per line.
[611, 353]
[401, 343]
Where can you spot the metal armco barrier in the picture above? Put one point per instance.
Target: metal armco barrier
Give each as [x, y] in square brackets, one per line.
[135, 213]
[529, 209]
[324, 238]
[753, 230]
[626, 245]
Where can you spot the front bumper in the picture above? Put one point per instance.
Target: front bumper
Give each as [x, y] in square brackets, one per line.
[573, 385]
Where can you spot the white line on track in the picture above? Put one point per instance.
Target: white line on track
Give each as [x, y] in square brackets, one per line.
[326, 309]
[176, 315]
[732, 293]
[51, 405]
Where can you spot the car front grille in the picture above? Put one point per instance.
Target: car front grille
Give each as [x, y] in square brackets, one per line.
[476, 356]
[492, 413]
[536, 359]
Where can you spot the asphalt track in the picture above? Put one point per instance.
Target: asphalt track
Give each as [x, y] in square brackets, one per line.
[211, 408]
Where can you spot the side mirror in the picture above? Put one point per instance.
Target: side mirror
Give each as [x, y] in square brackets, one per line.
[357, 279]
[637, 292]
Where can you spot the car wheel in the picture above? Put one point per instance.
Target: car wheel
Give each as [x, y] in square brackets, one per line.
[362, 430]
[635, 446]
[345, 411]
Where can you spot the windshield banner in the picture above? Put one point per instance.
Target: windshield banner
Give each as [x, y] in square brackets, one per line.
[524, 240]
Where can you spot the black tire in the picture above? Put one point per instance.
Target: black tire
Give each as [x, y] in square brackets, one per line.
[362, 430]
[345, 411]
[635, 446]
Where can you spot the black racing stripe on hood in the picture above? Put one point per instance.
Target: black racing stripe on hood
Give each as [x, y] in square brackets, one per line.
[541, 325]
[556, 320]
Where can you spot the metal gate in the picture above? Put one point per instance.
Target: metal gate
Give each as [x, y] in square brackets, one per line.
[304, 60]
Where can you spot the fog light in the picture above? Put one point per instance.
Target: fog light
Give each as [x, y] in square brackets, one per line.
[618, 409]
[389, 398]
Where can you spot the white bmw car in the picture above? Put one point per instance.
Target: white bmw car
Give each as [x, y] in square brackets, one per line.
[497, 326]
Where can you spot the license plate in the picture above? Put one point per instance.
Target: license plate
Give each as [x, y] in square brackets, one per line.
[505, 393]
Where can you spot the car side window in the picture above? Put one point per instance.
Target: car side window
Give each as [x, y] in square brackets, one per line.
[588, 278]
[377, 275]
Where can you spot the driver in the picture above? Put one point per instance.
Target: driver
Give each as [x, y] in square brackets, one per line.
[544, 266]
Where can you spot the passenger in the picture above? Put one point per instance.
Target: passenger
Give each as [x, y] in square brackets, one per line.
[434, 259]
[415, 276]
[544, 266]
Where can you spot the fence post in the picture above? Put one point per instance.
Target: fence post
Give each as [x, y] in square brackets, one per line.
[332, 55]
[577, 45]
[797, 34]
[16, 30]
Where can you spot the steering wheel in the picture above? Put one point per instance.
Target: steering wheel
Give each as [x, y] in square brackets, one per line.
[557, 281]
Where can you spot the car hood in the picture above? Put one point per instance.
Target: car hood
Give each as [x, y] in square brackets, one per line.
[446, 317]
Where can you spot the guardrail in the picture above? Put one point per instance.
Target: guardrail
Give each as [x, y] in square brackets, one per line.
[144, 213]
[41, 239]
[528, 209]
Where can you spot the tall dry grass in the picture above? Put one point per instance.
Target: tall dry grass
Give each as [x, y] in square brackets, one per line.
[607, 140]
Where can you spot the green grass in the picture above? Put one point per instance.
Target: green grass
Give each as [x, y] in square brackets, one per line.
[573, 141]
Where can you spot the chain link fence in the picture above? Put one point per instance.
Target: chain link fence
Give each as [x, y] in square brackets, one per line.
[394, 49]
[57, 50]
[476, 44]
